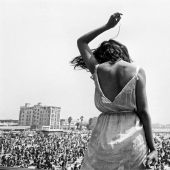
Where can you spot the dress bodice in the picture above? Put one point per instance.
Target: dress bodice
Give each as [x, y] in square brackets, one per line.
[124, 101]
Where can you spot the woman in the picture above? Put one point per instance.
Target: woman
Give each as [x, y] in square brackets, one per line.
[122, 138]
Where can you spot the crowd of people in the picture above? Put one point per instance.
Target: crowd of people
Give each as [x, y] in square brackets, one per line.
[44, 151]
[64, 152]
[162, 143]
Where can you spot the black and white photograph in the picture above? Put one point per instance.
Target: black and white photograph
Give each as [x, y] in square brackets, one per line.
[84, 84]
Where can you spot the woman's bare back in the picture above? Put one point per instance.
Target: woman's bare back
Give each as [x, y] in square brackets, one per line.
[113, 79]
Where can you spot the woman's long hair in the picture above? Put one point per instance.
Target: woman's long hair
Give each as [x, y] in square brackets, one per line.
[108, 51]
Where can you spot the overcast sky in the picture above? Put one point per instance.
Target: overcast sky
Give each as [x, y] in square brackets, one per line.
[38, 39]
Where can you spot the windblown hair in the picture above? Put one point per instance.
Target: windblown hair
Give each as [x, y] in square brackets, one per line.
[108, 51]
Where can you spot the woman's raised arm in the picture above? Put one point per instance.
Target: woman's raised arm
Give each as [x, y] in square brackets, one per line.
[83, 41]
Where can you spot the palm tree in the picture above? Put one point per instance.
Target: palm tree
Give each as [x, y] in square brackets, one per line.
[81, 118]
[69, 121]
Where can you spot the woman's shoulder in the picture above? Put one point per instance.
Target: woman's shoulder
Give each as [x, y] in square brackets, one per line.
[121, 69]
[125, 68]
[119, 64]
[126, 71]
[141, 74]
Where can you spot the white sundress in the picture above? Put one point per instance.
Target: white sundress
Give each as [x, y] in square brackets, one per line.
[118, 139]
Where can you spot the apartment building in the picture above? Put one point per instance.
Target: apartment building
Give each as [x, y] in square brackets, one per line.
[42, 117]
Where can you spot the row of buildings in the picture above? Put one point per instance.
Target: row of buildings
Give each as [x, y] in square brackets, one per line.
[41, 117]
[160, 126]
[48, 118]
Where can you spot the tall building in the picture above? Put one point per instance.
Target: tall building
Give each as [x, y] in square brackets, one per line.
[41, 117]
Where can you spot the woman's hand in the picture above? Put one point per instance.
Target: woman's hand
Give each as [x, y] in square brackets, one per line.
[113, 20]
[152, 158]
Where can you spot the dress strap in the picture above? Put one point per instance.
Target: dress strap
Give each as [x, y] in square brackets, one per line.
[137, 70]
[95, 71]
[96, 66]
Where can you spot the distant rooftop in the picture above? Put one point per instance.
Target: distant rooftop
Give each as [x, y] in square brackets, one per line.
[8, 120]
[27, 105]
[14, 127]
[161, 130]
